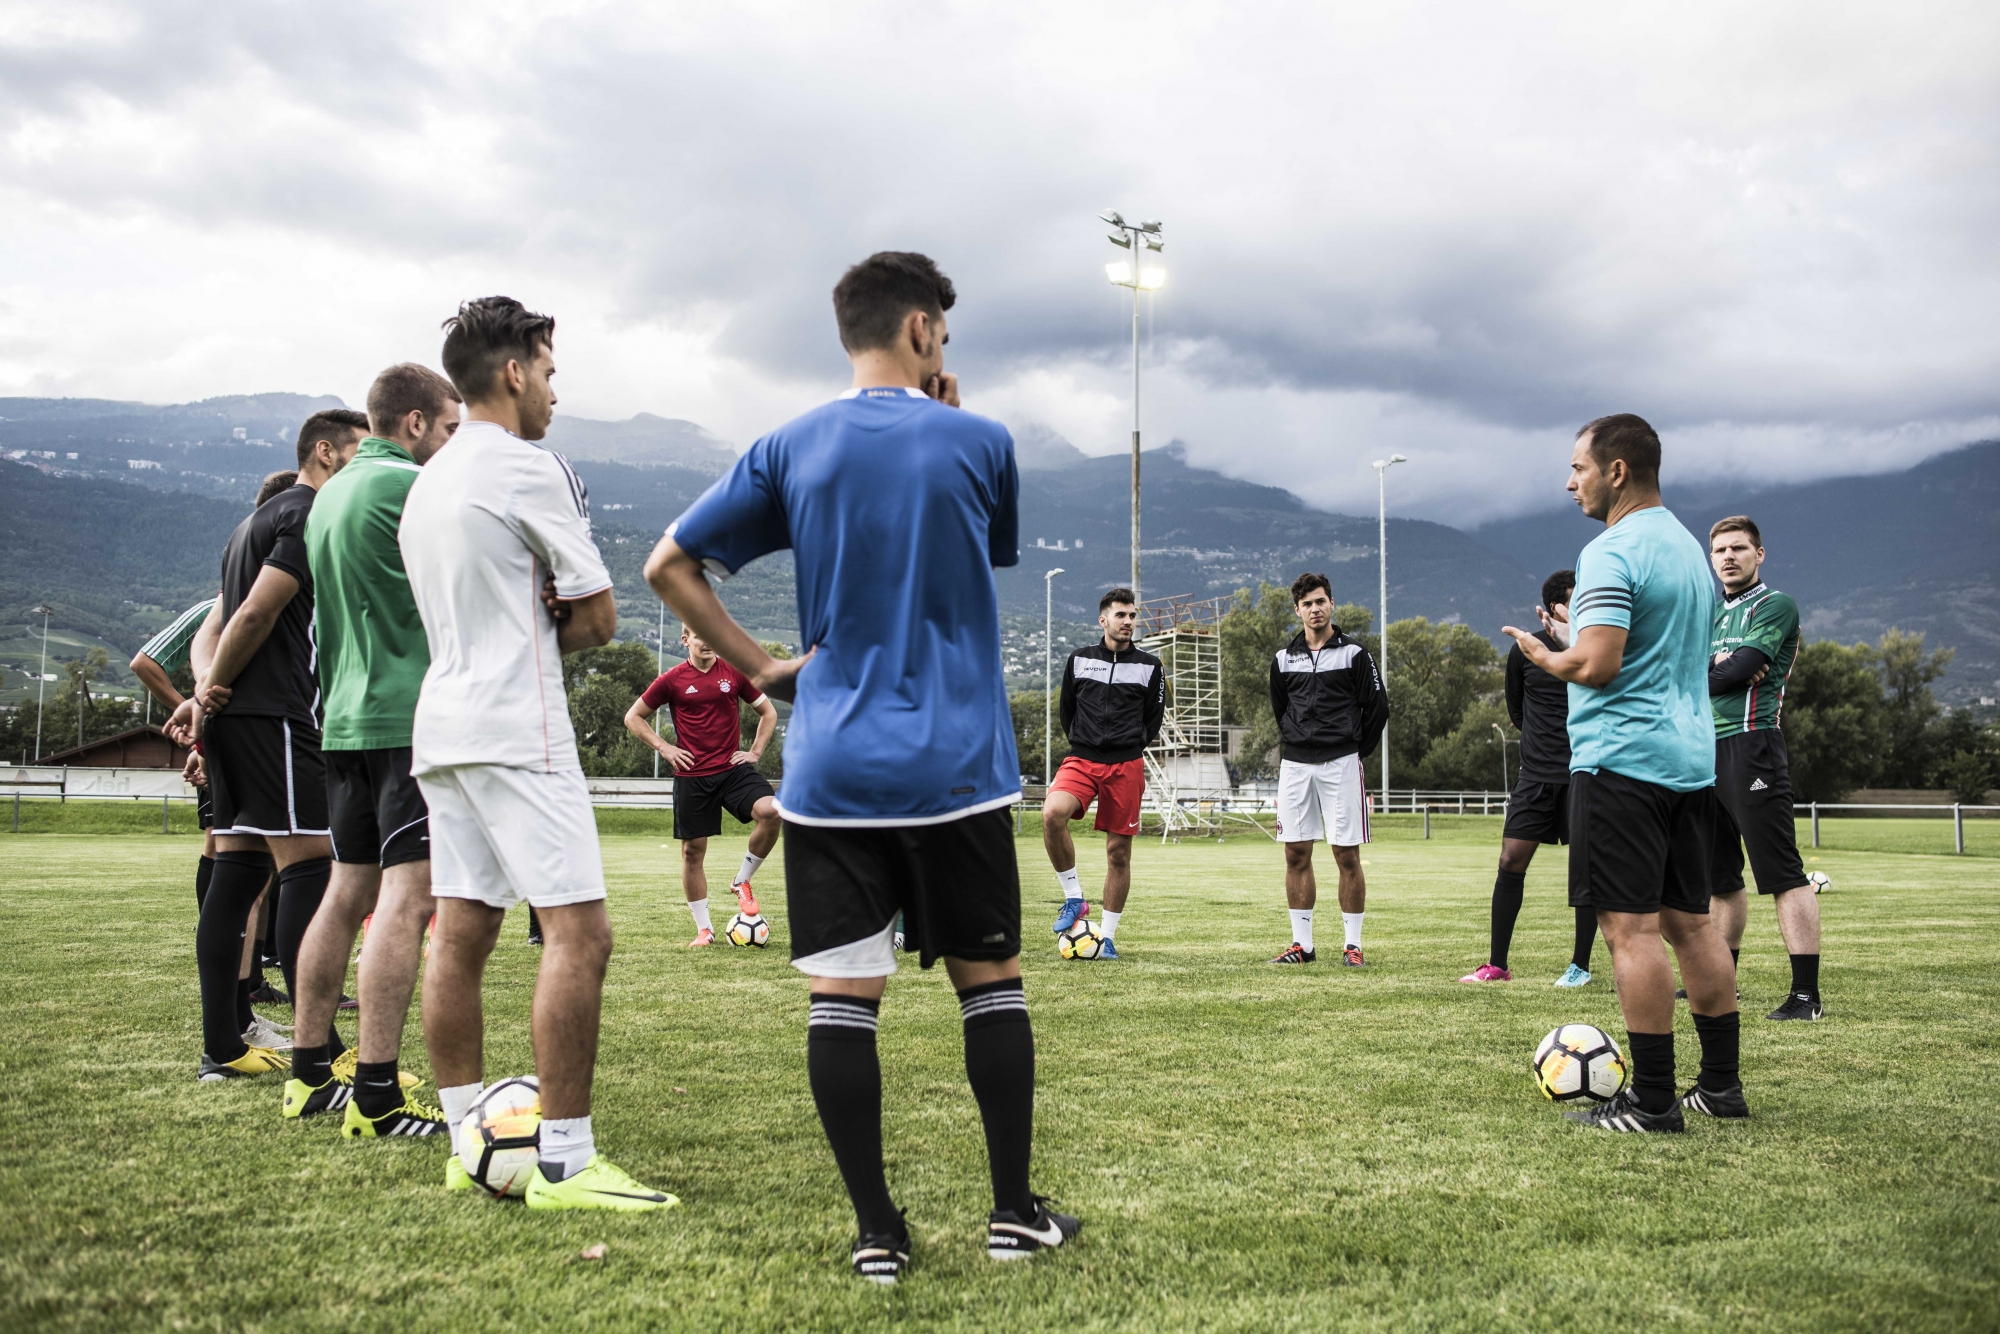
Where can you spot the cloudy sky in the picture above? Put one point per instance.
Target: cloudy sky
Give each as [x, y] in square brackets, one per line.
[1451, 229]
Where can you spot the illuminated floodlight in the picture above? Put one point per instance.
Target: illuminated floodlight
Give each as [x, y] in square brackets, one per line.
[1152, 280]
[1118, 271]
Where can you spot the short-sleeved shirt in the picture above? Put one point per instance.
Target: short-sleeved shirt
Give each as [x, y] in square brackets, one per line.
[169, 647]
[372, 651]
[281, 680]
[1768, 621]
[707, 718]
[1648, 576]
[486, 522]
[896, 508]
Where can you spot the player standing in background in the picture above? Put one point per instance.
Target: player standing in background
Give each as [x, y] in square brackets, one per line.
[899, 761]
[1538, 807]
[1331, 708]
[496, 541]
[1642, 773]
[1751, 654]
[1114, 698]
[258, 721]
[372, 656]
[711, 773]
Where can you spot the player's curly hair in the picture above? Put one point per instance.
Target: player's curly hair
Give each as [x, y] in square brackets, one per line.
[1557, 588]
[1306, 583]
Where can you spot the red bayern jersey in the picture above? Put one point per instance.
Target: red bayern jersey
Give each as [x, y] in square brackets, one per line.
[704, 712]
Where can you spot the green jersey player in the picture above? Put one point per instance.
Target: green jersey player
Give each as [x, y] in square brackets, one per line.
[1751, 652]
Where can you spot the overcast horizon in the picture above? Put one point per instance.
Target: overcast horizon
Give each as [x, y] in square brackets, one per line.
[1450, 230]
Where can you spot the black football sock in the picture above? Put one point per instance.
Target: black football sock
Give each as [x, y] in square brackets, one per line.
[1719, 1036]
[204, 871]
[300, 888]
[1734, 956]
[312, 1066]
[1652, 1070]
[218, 947]
[245, 1016]
[846, 1078]
[1507, 887]
[1000, 1063]
[1586, 938]
[1805, 974]
[378, 1090]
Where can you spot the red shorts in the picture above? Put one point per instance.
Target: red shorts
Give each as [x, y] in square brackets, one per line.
[1116, 788]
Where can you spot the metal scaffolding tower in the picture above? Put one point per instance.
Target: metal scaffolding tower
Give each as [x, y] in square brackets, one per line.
[1187, 775]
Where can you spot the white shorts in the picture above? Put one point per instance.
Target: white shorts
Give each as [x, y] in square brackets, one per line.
[1318, 801]
[502, 836]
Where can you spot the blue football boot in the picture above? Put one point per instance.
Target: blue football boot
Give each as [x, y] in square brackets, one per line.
[1068, 914]
[1109, 950]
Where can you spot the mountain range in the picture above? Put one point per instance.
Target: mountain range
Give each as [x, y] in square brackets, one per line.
[1919, 549]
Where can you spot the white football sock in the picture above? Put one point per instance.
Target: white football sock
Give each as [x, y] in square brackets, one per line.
[1072, 887]
[1353, 920]
[456, 1100]
[699, 907]
[1302, 927]
[1108, 920]
[750, 864]
[568, 1144]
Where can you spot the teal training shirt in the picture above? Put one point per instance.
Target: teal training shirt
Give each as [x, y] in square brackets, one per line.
[1648, 576]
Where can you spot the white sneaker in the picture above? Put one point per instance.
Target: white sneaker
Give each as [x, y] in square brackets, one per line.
[263, 1033]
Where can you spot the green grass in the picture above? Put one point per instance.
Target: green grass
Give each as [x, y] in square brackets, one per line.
[1250, 1148]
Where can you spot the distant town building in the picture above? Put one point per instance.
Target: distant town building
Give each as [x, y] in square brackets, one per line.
[138, 465]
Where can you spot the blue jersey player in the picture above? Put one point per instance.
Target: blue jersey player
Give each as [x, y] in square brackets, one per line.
[899, 759]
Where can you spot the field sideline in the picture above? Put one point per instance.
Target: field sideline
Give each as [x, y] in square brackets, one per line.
[1250, 1148]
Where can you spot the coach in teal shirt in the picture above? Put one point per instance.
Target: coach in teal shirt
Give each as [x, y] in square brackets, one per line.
[1642, 809]
[1648, 576]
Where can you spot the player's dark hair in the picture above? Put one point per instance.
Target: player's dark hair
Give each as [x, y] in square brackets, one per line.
[1631, 438]
[871, 299]
[1124, 595]
[488, 333]
[407, 388]
[1737, 523]
[276, 482]
[1306, 583]
[1557, 588]
[333, 425]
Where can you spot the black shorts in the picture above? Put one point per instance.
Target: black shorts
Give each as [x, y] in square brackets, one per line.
[1538, 812]
[1637, 847]
[377, 810]
[955, 883]
[204, 808]
[265, 775]
[1753, 809]
[700, 802]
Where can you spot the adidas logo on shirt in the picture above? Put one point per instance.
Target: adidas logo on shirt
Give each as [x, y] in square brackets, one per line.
[1758, 785]
[691, 690]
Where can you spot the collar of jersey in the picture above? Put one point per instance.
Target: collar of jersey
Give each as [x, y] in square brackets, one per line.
[378, 447]
[1747, 593]
[859, 390]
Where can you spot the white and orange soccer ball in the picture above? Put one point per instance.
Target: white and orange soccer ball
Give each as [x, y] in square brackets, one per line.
[1580, 1062]
[1083, 940]
[499, 1139]
[743, 929]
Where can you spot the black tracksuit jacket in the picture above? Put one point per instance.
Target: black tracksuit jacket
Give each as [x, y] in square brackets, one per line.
[1112, 703]
[1328, 702]
[1539, 705]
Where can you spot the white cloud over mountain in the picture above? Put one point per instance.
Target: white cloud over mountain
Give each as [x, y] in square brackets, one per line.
[1454, 229]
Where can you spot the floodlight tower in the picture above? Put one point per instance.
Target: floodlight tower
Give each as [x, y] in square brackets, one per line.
[1137, 237]
[44, 611]
[1382, 467]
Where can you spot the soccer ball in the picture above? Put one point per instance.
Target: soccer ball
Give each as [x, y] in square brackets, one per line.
[1083, 940]
[1820, 881]
[1578, 1061]
[747, 930]
[499, 1137]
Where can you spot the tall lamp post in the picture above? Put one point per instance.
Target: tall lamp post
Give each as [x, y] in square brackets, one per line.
[1048, 670]
[1382, 467]
[1502, 734]
[42, 678]
[1137, 237]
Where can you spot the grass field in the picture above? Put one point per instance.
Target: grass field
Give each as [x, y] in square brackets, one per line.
[1250, 1148]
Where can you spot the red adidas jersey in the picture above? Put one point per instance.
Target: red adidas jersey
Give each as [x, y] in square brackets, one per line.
[704, 712]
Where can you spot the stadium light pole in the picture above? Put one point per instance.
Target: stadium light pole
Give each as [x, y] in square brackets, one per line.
[1503, 755]
[1382, 467]
[1048, 668]
[1137, 237]
[41, 678]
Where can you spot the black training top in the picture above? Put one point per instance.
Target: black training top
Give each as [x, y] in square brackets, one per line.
[281, 680]
[1539, 705]
[1112, 703]
[1328, 701]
